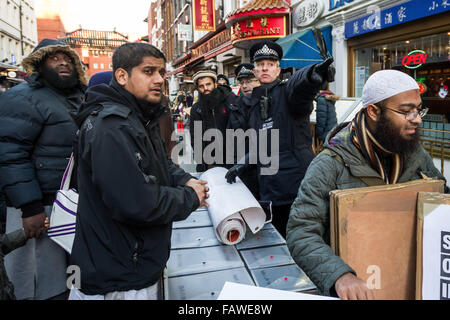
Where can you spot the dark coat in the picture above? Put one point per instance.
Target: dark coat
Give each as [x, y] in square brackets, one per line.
[37, 130]
[291, 106]
[325, 114]
[215, 117]
[130, 193]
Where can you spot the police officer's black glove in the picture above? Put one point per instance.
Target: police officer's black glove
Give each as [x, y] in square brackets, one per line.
[323, 71]
[235, 171]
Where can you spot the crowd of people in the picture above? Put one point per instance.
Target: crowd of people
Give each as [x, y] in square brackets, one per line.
[130, 191]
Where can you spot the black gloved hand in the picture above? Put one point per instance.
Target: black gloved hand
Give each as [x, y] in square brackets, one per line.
[235, 171]
[323, 71]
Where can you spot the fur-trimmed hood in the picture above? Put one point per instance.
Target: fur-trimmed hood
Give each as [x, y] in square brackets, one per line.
[329, 95]
[48, 46]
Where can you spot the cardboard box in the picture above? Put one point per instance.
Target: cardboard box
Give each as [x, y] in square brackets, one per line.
[373, 230]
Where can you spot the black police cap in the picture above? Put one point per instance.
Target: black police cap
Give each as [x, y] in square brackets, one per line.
[244, 70]
[266, 50]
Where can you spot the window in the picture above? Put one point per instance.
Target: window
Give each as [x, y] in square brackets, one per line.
[95, 65]
[102, 66]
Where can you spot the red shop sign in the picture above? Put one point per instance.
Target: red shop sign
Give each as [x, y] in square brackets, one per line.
[414, 59]
[204, 15]
[257, 28]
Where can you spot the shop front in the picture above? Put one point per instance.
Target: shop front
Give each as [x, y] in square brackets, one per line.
[259, 20]
[10, 76]
[413, 37]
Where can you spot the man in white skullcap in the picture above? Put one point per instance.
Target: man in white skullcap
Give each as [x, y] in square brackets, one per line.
[380, 146]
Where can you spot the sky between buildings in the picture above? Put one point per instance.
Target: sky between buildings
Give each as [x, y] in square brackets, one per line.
[127, 16]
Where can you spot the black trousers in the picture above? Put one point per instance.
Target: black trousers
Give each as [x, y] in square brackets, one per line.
[280, 218]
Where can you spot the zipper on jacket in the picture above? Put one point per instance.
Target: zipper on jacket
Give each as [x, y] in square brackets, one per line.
[135, 256]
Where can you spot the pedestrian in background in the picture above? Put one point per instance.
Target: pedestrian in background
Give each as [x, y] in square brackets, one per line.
[325, 113]
[210, 112]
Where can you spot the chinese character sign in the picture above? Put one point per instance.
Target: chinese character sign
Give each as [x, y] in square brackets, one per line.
[204, 15]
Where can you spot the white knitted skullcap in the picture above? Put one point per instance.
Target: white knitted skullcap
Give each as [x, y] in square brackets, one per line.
[385, 84]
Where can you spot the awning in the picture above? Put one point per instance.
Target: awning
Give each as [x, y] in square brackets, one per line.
[300, 49]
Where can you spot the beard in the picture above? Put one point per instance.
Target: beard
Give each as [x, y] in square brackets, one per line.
[389, 137]
[63, 83]
[213, 99]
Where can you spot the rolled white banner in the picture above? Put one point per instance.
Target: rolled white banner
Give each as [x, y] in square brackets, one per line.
[231, 230]
[231, 207]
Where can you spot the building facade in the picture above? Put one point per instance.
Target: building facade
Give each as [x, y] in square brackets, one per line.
[18, 38]
[18, 31]
[50, 27]
[95, 48]
[171, 28]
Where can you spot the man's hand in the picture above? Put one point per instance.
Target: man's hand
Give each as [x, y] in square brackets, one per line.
[35, 226]
[200, 189]
[349, 287]
[234, 172]
[323, 72]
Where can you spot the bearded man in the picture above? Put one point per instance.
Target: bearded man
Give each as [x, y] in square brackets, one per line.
[212, 111]
[37, 130]
[380, 146]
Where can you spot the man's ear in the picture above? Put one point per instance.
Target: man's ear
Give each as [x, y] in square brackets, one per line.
[373, 112]
[121, 76]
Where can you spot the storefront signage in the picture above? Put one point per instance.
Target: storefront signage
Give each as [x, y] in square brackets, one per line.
[204, 15]
[213, 43]
[415, 59]
[405, 12]
[257, 28]
[308, 12]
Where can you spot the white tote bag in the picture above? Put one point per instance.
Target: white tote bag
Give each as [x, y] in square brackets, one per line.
[63, 218]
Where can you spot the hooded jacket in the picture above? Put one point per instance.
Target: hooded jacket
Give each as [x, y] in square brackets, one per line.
[130, 192]
[325, 113]
[308, 229]
[37, 130]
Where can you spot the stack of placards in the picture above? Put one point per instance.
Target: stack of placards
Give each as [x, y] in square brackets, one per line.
[200, 265]
[433, 246]
[373, 230]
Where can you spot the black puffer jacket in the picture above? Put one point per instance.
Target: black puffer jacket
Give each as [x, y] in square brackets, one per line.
[36, 134]
[130, 192]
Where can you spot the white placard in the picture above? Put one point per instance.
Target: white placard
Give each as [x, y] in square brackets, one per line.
[436, 254]
[237, 291]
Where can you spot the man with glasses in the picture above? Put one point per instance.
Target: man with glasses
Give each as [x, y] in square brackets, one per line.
[283, 107]
[246, 78]
[380, 146]
[37, 131]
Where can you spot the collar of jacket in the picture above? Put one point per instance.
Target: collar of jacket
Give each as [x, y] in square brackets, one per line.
[341, 143]
[260, 91]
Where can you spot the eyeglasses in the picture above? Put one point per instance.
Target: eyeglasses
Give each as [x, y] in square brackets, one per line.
[411, 115]
[244, 82]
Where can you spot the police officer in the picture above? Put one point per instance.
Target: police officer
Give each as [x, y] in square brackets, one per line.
[284, 106]
[246, 78]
